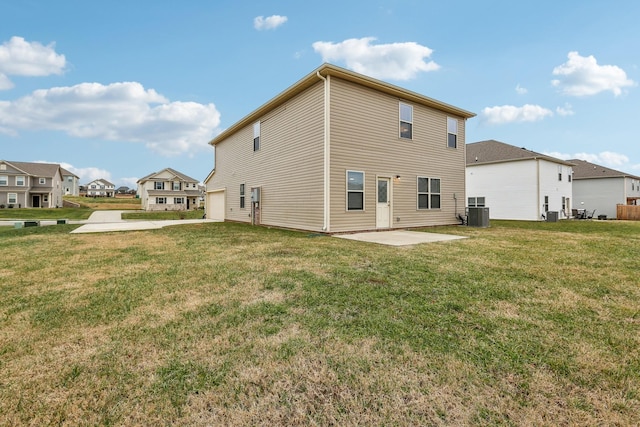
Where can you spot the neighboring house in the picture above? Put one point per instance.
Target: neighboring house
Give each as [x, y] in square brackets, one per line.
[516, 183]
[337, 152]
[70, 183]
[600, 188]
[122, 190]
[30, 185]
[101, 188]
[168, 190]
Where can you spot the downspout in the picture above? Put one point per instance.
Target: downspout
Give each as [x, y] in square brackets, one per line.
[538, 188]
[326, 140]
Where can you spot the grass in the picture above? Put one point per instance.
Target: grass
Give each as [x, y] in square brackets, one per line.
[227, 324]
[163, 215]
[106, 203]
[42, 213]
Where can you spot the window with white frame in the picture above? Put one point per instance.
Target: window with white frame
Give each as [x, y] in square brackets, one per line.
[545, 206]
[42, 180]
[4, 180]
[158, 185]
[406, 121]
[476, 202]
[241, 196]
[452, 132]
[12, 198]
[559, 173]
[20, 180]
[428, 193]
[176, 186]
[161, 200]
[256, 136]
[355, 191]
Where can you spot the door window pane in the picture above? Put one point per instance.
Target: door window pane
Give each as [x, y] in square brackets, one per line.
[383, 191]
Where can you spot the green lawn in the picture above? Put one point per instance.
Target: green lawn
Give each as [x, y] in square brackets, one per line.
[227, 324]
[161, 215]
[37, 213]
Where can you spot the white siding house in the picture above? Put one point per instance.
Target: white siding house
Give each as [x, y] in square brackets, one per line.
[600, 188]
[516, 183]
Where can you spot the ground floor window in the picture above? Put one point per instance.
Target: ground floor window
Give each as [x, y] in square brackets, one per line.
[161, 200]
[428, 193]
[476, 202]
[545, 206]
[355, 191]
[178, 200]
[12, 198]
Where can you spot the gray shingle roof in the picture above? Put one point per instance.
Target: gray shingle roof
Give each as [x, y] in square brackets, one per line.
[44, 170]
[492, 151]
[180, 175]
[586, 170]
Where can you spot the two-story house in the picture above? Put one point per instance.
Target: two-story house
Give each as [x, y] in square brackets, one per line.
[337, 152]
[516, 183]
[168, 190]
[101, 188]
[70, 183]
[600, 189]
[30, 185]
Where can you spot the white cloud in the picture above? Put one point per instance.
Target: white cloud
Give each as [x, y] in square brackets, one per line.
[567, 110]
[269, 23]
[521, 90]
[605, 158]
[582, 76]
[502, 114]
[19, 57]
[87, 174]
[398, 61]
[116, 112]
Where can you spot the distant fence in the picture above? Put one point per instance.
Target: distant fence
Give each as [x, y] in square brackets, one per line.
[628, 212]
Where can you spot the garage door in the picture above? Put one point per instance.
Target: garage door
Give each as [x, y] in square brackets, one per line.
[215, 205]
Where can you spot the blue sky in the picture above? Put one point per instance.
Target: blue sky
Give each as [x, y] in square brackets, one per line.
[118, 90]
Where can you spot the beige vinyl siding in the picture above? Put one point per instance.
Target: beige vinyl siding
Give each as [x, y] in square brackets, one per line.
[288, 167]
[365, 137]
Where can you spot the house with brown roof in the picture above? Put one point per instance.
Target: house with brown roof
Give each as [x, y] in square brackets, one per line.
[30, 185]
[168, 190]
[516, 183]
[101, 188]
[340, 151]
[601, 188]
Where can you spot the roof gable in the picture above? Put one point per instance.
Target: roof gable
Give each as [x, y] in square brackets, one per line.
[332, 70]
[45, 170]
[167, 174]
[492, 151]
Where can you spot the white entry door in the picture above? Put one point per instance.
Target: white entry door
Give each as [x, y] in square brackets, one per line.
[383, 205]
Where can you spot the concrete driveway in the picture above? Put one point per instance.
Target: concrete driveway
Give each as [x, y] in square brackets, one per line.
[106, 221]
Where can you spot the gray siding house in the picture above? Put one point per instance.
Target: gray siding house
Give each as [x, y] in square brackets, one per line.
[600, 188]
[70, 183]
[338, 152]
[30, 185]
[168, 190]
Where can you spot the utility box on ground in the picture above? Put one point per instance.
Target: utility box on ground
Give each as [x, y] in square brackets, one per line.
[478, 217]
[552, 216]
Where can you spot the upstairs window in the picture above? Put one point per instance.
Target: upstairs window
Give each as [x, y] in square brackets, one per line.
[355, 191]
[452, 133]
[406, 121]
[176, 186]
[428, 193]
[42, 180]
[4, 180]
[20, 181]
[241, 196]
[158, 185]
[256, 136]
[559, 173]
